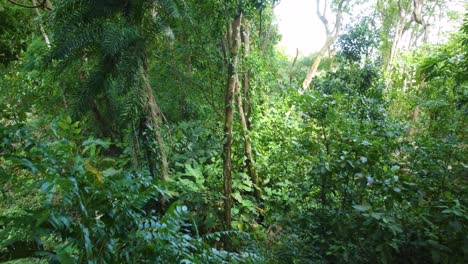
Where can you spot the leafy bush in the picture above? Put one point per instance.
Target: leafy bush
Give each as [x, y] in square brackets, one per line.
[84, 206]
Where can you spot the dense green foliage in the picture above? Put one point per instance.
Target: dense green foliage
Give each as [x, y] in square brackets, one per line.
[368, 165]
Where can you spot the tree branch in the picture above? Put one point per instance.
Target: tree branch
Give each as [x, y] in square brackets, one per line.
[322, 16]
[41, 5]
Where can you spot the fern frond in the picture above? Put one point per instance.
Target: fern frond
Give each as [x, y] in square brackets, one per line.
[76, 39]
[118, 38]
[168, 7]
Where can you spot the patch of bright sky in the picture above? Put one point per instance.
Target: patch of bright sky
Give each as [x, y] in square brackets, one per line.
[299, 26]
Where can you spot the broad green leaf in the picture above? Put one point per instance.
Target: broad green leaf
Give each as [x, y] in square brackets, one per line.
[247, 203]
[237, 197]
[63, 125]
[361, 208]
[110, 172]
[46, 186]
[395, 168]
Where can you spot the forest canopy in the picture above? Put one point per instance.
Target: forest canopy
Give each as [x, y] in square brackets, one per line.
[178, 131]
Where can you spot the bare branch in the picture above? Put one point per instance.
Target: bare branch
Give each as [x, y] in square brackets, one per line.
[331, 37]
[322, 16]
[41, 5]
[339, 17]
[417, 9]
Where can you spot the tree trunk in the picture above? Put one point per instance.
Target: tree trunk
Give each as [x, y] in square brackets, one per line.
[44, 33]
[404, 21]
[243, 106]
[331, 37]
[234, 43]
[247, 104]
[291, 69]
[154, 116]
[249, 160]
[417, 12]
[395, 42]
[313, 69]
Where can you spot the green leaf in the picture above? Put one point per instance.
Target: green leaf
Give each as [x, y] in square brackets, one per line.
[247, 203]
[376, 216]
[65, 257]
[395, 168]
[361, 208]
[244, 187]
[87, 242]
[447, 211]
[237, 197]
[195, 172]
[46, 186]
[91, 142]
[110, 172]
[63, 125]
[30, 165]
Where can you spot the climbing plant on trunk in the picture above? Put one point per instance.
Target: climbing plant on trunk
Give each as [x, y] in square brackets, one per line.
[109, 39]
[234, 41]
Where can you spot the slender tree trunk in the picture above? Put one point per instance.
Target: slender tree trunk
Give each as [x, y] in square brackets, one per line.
[332, 35]
[243, 106]
[41, 27]
[291, 69]
[266, 40]
[154, 116]
[413, 38]
[249, 159]
[407, 15]
[396, 41]
[417, 12]
[234, 43]
[247, 107]
[313, 68]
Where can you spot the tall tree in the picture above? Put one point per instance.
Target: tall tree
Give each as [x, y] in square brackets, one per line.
[401, 16]
[403, 22]
[234, 43]
[111, 38]
[332, 35]
[244, 108]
